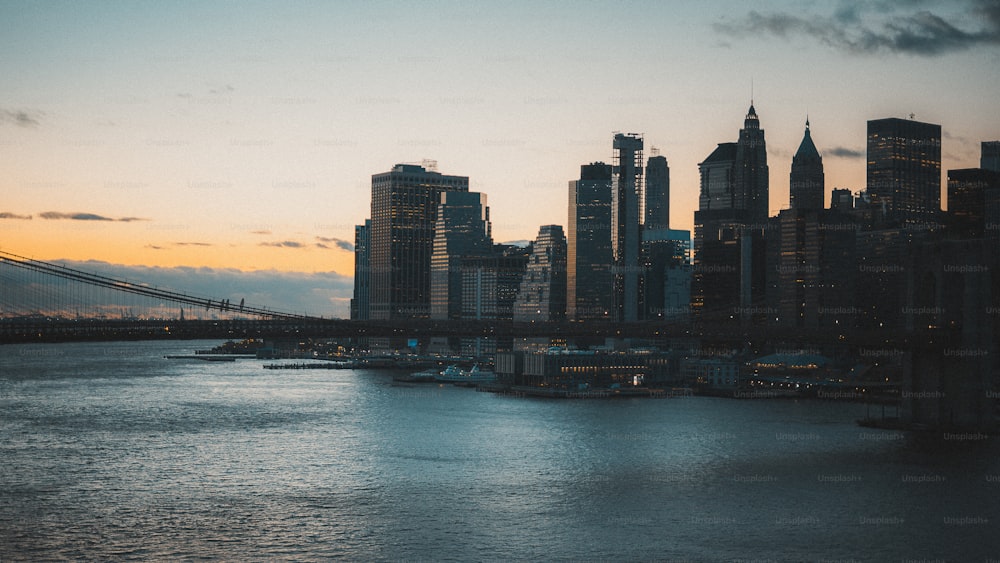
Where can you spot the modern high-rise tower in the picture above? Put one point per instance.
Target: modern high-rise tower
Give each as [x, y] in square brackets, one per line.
[462, 229]
[589, 280]
[362, 272]
[657, 192]
[404, 212]
[542, 295]
[806, 179]
[904, 169]
[626, 237]
[990, 157]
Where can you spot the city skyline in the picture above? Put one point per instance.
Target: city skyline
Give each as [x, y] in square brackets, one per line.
[210, 137]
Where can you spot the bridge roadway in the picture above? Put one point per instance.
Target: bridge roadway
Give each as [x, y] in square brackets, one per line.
[70, 330]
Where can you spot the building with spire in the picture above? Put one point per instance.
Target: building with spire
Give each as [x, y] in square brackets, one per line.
[729, 274]
[806, 179]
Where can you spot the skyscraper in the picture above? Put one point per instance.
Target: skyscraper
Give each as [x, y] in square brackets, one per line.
[904, 169]
[657, 192]
[751, 173]
[990, 156]
[730, 259]
[404, 212]
[806, 179]
[462, 229]
[627, 192]
[589, 281]
[362, 272]
[542, 295]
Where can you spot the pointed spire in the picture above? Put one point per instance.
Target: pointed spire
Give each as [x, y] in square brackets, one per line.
[807, 149]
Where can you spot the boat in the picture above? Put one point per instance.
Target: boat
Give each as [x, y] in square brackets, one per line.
[425, 376]
[460, 377]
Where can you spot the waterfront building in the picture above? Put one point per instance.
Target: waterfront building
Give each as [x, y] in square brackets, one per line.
[542, 292]
[462, 229]
[404, 213]
[904, 169]
[626, 219]
[489, 290]
[362, 272]
[589, 280]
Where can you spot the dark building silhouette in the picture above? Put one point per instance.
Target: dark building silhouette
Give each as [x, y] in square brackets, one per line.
[730, 264]
[404, 211]
[657, 192]
[972, 196]
[904, 169]
[813, 254]
[842, 200]
[990, 156]
[542, 293]
[462, 229]
[806, 180]
[489, 290]
[589, 280]
[667, 274]
[626, 237]
[362, 272]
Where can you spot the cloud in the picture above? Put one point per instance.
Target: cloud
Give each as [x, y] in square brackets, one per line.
[263, 232]
[193, 244]
[340, 243]
[86, 217]
[890, 29]
[284, 244]
[9, 215]
[844, 152]
[20, 117]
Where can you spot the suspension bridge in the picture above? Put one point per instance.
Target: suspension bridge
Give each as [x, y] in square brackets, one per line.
[48, 302]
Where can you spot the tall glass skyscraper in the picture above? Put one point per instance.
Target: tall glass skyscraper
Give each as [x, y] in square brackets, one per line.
[404, 212]
[626, 237]
[904, 169]
[362, 272]
[589, 280]
[657, 192]
[542, 296]
[462, 229]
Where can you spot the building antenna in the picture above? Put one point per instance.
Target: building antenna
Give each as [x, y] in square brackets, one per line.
[751, 90]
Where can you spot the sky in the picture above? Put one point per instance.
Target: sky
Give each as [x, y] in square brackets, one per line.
[239, 138]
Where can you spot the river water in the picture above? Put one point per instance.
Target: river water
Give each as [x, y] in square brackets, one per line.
[111, 451]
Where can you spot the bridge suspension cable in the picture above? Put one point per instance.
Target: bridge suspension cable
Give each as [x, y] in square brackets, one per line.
[36, 296]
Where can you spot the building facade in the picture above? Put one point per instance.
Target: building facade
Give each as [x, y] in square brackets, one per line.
[542, 293]
[462, 229]
[362, 272]
[589, 280]
[904, 169]
[626, 219]
[404, 213]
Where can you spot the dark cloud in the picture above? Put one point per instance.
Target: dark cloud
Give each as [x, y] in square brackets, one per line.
[20, 117]
[154, 247]
[86, 217]
[844, 152]
[9, 215]
[894, 28]
[339, 243]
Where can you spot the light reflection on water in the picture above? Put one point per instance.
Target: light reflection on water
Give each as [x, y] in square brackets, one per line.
[112, 451]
